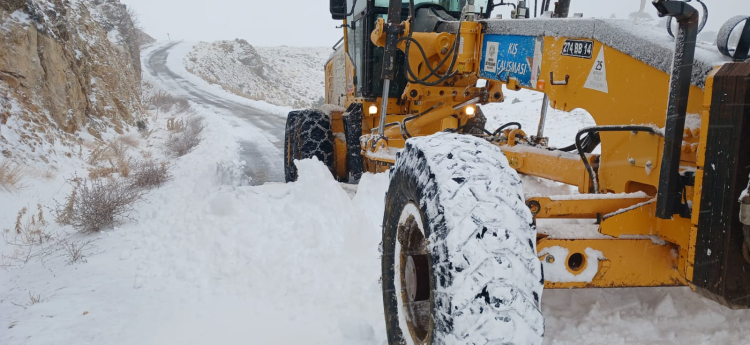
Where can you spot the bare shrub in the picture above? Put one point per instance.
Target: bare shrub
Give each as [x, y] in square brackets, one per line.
[11, 176]
[180, 143]
[164, 101]
[96, 204]
[182, 105]
[149, 174]
[75, 251]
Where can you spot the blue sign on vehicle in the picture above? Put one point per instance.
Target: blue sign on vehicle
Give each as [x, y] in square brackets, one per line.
[508, 56]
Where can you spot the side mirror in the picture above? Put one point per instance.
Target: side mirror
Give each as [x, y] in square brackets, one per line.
[338, 9]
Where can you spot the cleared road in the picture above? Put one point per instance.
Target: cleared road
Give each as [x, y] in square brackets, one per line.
[264, 161]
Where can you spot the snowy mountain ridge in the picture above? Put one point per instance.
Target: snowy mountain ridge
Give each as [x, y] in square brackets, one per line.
[285, 76]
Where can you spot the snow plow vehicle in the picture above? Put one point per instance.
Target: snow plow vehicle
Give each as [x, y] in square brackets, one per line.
[662, 174]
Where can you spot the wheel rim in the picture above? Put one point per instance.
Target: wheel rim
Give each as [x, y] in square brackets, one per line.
[414, 289]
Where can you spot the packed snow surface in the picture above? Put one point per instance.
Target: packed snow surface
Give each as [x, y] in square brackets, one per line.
[213, 261]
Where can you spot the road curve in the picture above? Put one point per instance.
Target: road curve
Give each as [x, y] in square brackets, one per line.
[262, 155]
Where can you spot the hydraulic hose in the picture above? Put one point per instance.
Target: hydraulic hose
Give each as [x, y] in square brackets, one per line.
[499, 130]
[453, 52]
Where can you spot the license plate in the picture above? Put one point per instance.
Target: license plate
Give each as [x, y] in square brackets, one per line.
[578, 48]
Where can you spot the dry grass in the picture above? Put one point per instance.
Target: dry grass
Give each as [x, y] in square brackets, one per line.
[149, 174]
[164, 101]
[47, 174]
[97, 204]
[11, 176]
[29, 240]
[129, 140]
[175, 125]
[109, 159]
[29, 230]
[34, 299]
[29, 237]
[182, 142]
[74, 251]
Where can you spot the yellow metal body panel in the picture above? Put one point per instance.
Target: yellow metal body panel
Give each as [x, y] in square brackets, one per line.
[545, 207]
[637, 94]
[556, 166]
[627, 263]
[642, 250]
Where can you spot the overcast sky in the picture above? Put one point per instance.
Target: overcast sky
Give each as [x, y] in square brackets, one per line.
[308, 22]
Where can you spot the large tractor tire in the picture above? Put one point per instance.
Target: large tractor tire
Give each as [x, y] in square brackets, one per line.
[459, 248]
[308, 134]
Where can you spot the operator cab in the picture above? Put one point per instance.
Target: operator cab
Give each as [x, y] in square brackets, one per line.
[367, 57]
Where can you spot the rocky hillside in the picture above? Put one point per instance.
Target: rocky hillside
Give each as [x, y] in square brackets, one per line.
[286, 76]
[65, 66]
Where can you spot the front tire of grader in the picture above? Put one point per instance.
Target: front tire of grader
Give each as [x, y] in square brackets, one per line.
[308, 134]
[459, 262]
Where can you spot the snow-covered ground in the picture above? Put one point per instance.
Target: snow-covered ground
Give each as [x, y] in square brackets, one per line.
[287, 76]
[211, 260]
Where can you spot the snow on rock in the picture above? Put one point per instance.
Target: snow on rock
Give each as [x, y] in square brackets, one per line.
[286, 76]
[51, 52]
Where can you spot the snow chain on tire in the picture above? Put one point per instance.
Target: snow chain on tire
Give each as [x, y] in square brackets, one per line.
[459, 249]
[353, 131]
[290, 147]
[308, 134]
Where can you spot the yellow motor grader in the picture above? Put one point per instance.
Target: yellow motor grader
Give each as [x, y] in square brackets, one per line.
[462, 261]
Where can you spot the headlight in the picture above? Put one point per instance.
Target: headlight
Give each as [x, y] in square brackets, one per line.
[470, 110]
[373, 109]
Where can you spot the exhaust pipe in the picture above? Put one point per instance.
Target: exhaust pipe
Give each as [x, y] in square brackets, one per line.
[670, 191]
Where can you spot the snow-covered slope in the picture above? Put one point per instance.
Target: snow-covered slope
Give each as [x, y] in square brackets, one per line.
[286, 76]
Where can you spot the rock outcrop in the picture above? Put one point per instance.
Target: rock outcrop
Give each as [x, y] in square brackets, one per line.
[65, 66]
